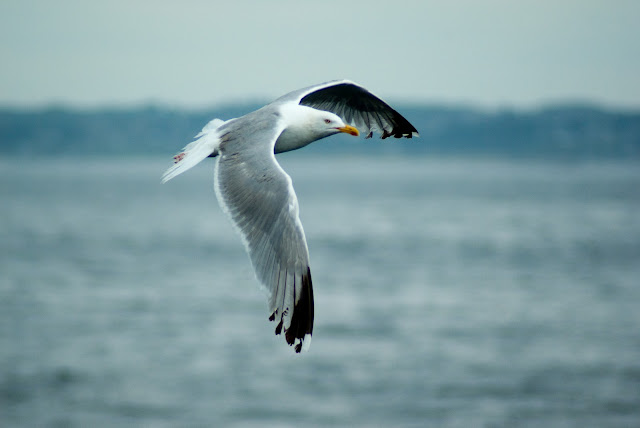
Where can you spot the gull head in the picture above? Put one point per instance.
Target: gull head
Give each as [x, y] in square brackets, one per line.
[305, 125]
[325, 123]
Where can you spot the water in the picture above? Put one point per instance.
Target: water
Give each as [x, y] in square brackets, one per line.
[449, 293]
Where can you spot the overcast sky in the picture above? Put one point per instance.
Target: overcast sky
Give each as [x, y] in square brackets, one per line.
[189, 53]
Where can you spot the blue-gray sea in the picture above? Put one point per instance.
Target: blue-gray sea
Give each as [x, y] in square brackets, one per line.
[450, 292]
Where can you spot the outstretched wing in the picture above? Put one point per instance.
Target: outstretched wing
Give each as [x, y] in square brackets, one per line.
[357, 106]
[258, 196]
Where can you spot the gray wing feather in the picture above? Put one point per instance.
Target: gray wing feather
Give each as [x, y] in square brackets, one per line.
[258, 196]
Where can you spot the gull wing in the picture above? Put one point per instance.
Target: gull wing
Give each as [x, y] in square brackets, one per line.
[357, 106]
[258, 195]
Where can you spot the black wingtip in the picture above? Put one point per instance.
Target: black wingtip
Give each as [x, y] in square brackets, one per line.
[302, 319]
[353, 103]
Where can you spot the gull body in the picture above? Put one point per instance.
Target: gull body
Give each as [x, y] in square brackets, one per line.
[258, 195]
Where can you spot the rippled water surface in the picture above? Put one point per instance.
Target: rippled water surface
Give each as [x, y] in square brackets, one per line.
[449, 292]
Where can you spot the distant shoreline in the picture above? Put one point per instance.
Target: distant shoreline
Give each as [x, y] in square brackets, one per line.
[572, 131]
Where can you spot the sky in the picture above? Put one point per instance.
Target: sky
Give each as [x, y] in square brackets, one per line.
[195, 54]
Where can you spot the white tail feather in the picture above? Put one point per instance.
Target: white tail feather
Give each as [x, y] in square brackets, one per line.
[212, 125]
[206, 144]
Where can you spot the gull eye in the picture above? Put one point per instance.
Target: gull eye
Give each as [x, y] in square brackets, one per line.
[327, 121]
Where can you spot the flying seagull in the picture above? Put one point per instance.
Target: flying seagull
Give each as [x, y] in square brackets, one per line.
[258, 195]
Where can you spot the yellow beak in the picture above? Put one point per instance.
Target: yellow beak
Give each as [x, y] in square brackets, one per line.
[349, 130]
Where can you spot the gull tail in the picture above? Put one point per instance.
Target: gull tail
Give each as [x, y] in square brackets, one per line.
[206, 144]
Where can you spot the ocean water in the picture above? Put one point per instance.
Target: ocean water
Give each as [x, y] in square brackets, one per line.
[449, 292]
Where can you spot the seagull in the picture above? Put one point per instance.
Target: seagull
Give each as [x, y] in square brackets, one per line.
[258, 196]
